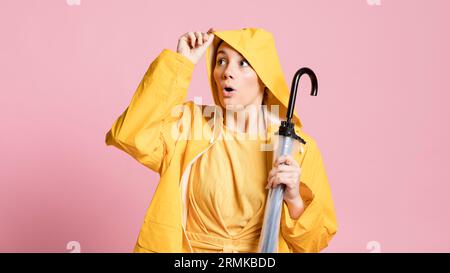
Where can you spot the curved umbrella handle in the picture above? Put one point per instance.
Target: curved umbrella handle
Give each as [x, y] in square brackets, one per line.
[294, 86]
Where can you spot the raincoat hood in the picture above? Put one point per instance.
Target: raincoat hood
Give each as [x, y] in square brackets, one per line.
[258, 47]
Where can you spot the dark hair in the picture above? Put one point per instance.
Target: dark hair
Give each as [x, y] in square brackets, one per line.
[215, 53]
[219, 44]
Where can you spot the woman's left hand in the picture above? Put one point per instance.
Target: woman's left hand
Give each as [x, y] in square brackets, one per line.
[288, 175]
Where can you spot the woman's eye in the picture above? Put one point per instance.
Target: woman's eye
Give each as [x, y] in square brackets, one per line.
[244, 61]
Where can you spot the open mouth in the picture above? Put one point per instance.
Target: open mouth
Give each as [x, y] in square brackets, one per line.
[228, 92]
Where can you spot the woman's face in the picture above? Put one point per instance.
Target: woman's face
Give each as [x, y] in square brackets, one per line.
[233, 71]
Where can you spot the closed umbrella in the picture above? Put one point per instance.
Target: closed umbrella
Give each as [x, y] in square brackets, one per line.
[285, 142]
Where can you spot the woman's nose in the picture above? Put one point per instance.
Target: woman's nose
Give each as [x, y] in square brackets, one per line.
[228, 72]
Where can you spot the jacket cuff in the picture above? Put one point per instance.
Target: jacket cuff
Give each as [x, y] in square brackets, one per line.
[179, 58]
[176, 72]
[288, 221]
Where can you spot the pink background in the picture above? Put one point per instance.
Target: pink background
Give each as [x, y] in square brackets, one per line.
[380, 119]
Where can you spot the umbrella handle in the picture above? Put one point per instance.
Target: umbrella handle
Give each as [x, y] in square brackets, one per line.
[294, 87]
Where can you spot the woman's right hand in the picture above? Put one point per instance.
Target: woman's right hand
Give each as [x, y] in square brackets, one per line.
[193, 45]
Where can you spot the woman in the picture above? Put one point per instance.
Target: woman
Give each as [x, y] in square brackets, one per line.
[215, 167]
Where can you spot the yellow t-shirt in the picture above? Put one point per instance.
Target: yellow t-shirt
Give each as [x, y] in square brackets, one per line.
[227, 195]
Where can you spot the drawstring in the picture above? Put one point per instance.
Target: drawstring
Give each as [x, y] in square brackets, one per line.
[214, 129]
[264, 117]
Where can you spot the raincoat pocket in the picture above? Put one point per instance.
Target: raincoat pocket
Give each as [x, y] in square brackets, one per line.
[156, 237]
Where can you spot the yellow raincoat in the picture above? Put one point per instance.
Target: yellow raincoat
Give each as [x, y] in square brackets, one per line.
[167, 134]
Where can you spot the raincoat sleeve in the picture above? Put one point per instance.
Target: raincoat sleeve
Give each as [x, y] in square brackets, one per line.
[144, 130]
[316, 226]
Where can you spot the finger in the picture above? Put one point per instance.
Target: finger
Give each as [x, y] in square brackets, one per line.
[282, 169]
[185, 38]
[205, 37]
[192, 39]
[211, 30]
[199, 37]
[291, 160]
[282, 180]
[278, 179]
[269, 177]
[285, 168]
[286, 160]
[277, 171]
[271, 181]
[210, 39]
[279, 160]
[272, 172]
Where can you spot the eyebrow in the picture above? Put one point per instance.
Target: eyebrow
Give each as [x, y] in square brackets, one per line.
[223, 52]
